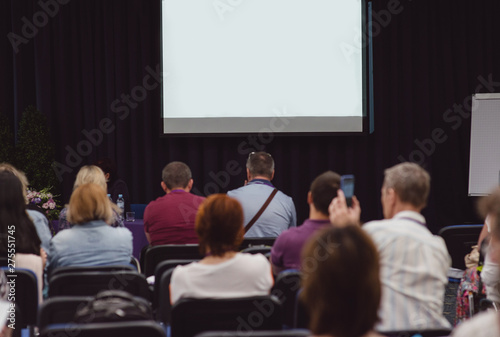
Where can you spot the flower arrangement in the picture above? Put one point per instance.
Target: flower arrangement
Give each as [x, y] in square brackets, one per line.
[44, 200]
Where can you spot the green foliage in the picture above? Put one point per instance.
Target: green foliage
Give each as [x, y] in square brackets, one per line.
[35, 151]
[6, 140]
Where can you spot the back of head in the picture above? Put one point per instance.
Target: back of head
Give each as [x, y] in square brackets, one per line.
[19, 174]
[260, 164]
[176, 175]
[219, 224]
[324, 189]
[410, 182]
[107, 166]
[13, 215]
[90, 174]
[89, 202]
[341, 284]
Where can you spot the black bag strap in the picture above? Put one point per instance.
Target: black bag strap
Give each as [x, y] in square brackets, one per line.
[261, 210]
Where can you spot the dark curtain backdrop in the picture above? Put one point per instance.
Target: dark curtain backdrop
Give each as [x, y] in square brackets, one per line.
[429, 58]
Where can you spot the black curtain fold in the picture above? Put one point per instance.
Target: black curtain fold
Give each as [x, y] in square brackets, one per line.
[427, 59]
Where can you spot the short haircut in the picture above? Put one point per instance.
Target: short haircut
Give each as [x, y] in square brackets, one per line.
[19, 174]
[410, 182]
[90, 174]
[341, 283]
[176, 175]
[323, 189]
[88, 203]
[490, 205]
[107, 165]
[260, 164]
[219, 225]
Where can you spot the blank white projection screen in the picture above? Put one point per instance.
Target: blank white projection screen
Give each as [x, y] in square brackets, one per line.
[244, 66]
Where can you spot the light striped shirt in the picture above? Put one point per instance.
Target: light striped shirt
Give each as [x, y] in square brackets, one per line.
[414, 265]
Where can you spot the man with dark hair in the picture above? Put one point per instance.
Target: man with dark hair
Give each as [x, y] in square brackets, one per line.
[279, 214]
[170, 218]
[285, 253]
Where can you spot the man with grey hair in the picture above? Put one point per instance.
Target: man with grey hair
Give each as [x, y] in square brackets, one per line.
[414, 263]
[170, 219]
[267, 211]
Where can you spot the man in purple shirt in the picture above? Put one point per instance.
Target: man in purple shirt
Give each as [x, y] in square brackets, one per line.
[170, 218]
[286, 251]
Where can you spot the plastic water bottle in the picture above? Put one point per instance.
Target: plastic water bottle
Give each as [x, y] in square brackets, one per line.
[109, 197]
[120, 202]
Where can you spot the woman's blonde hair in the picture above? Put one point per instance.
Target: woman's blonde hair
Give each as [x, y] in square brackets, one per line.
[89, 202]
[90, 174]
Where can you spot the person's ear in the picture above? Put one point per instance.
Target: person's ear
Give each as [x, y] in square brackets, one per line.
[106, 176]
[272, 175]
[190, 184]
[249, 177]
[391, 196]
[309, 198]
[164, 187]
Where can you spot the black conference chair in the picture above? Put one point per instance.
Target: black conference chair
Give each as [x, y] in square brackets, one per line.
[160, 270]
[281, 333]
[163, 314]
[80, 269]
[417, 333]
[286, 287]
[252, 242]
[301, 315]
[157, 254]
[459, 241]
[26, 297]
[90, 283]
[118, 329]
[264, 250]
[193, 316]
[60, 310]
[4, 261]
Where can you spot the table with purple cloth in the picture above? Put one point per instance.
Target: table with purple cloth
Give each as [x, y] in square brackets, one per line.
[136, 227]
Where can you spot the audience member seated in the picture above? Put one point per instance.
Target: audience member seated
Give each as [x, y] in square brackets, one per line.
[15, 222]
[115, 185]
[279, 215]
[39, 219]
[91, 241]
[285, 253]
[490, 274]
[486, 324]
[414, 263]
[90, 174]
[170, 218]
[223, 273]
[341, 283]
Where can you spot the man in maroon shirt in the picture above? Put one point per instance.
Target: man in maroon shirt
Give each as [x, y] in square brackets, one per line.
[170, 218]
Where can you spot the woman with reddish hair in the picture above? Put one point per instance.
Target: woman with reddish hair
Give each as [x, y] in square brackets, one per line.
[223, 273]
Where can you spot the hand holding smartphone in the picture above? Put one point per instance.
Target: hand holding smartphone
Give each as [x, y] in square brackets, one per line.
[347, 186]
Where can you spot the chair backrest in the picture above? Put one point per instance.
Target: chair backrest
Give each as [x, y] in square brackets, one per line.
[4, 261]
[193, 316]
[161, 268]
[257, 250]
[138, 209]
[26, 295]
[60, 310]
[271, 333]
[118, 329]
[417, 333]
[459, 240]
[90, 283]
[251, 242]
[301, 316]
[286, 287]
[163, 314]
[157, 254]
[80, 269]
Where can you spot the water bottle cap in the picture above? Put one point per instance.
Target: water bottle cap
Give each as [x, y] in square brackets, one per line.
[120, 195]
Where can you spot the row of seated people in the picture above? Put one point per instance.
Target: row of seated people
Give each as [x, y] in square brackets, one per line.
[413, 262]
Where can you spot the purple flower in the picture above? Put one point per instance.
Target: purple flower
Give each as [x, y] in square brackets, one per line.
[37, 200]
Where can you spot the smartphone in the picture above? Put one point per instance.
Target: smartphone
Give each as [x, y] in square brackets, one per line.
[347, 186]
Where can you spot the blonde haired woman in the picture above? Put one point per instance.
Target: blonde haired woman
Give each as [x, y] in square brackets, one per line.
[91, 241]
[90, 174]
